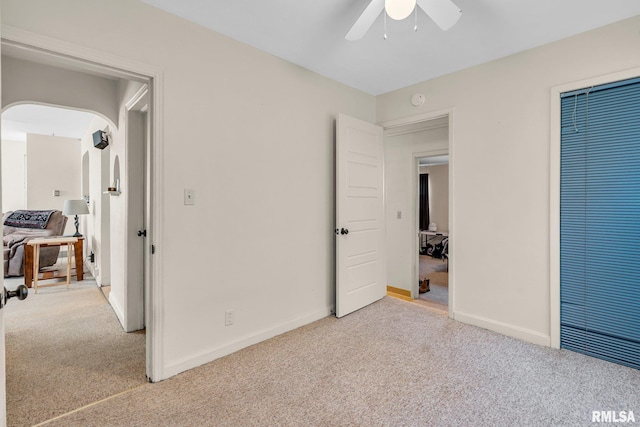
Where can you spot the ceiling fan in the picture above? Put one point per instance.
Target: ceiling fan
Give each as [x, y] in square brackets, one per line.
[443, 12]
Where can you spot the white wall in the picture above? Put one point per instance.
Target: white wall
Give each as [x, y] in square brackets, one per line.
[402, 147]
[259, 239]
[97, 222]
[55, 86]
[14, 195]
[438, 195]
[126, 163]
[53, 163]
[501, 134]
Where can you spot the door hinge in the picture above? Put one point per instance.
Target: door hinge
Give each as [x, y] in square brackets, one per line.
[153, 249]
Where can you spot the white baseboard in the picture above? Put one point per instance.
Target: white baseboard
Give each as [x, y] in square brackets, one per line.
[117, 309]
[92, 270]
[216, 353]
[504, 328]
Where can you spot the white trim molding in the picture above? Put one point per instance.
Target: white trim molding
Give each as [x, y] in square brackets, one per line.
[554, 190]
[504, 328]
[111, 64]
[116, 308]
[431, 115]
[133, 103]
[246, 341]
[134, 70]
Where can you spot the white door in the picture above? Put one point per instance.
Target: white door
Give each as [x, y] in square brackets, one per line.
[360, 260]
[148, 249]
[136, 121]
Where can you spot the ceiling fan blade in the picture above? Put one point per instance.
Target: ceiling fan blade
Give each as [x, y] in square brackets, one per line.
[443, 12]
[365, 21]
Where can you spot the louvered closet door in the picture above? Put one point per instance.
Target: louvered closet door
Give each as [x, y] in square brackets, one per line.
[600, 222]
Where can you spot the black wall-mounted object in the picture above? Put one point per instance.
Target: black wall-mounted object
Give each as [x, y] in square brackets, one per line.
[100, 139]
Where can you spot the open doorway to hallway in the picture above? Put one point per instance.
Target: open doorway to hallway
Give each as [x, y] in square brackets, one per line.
[48, 161]
[77, 333]
[433, 224]
[408, 143]
[64, 345]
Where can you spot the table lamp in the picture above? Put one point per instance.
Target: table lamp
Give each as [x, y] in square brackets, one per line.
[75, 207]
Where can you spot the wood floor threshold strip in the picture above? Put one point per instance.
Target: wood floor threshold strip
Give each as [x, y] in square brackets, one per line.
[402, 294]
[398, 296]
[89, 405]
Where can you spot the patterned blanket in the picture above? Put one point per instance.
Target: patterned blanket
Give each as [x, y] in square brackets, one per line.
[29, 219]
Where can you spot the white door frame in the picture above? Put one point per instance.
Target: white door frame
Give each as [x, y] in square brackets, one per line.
[110, 62]
[449, 112]
[135, 245]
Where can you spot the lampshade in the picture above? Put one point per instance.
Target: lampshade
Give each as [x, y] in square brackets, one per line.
[75, 207]
[399, 9]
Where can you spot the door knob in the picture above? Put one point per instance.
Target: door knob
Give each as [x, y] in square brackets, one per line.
[21, 293]
[142, 233]
[344, 231]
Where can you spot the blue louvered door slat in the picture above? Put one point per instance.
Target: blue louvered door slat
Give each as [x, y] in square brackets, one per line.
[600, 222]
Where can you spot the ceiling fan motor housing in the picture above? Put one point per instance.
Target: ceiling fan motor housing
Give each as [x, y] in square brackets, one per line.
[399, 9]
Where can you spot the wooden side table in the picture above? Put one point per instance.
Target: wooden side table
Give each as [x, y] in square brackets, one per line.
[30, 264]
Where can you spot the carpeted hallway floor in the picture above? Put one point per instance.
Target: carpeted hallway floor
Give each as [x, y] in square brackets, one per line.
[379, 367]
[65, 349]
[436, 271]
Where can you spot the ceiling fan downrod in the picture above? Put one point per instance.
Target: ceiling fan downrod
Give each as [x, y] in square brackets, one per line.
[385, 25]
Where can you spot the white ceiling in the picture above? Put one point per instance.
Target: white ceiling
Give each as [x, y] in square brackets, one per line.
[311, 34]
[20, 120]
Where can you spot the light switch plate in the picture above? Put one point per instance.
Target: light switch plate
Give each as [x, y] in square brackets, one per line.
[228, 318]
[189, 197]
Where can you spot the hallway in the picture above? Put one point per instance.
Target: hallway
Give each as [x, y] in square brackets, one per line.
[436, 271]
[66, 349]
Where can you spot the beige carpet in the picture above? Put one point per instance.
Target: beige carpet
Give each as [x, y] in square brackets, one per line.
[380, 366]
[65, 349]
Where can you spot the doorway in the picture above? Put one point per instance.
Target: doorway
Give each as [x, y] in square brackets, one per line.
[433, 229]
[130, 192]
[406, 142]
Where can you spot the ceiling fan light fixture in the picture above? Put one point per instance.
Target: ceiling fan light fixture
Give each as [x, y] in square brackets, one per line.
[399, 9]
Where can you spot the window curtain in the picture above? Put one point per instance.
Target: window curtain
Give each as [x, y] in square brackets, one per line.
[424, 201]
[600, 222]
